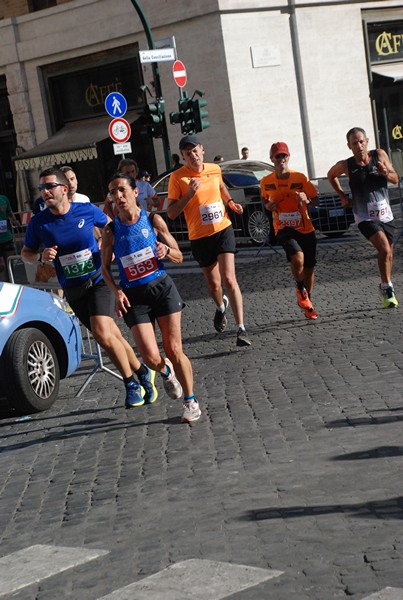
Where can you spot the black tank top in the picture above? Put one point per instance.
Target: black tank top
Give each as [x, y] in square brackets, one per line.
[367, 186]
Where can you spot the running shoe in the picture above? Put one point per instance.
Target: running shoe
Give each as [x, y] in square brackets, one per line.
[191, 411]
[171, 385]
[148, 390]
[133, 395]
[242, 338]
[303, 299]
[388, 297]
[220, 319]
[310, 313]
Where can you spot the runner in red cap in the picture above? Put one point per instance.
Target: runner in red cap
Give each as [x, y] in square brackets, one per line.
[287, 194]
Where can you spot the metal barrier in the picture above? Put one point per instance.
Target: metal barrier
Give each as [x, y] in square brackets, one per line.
[90, 350]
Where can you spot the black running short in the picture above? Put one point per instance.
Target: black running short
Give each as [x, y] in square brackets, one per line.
[369, 228]
[205, 250]
[294, 241]
[158, 298]
[98, 301]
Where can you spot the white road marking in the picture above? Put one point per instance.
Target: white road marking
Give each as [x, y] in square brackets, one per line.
[38, 562]
[387, 593]
[194, 579]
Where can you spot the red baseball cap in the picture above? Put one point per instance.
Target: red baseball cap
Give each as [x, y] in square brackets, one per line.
[279, 148]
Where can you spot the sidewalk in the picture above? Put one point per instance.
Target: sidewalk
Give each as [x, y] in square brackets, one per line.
[294, 467]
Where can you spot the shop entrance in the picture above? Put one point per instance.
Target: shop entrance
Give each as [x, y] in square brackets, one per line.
[388, 96]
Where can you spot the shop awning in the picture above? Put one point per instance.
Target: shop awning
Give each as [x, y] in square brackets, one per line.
[392, 71]
[73, 143]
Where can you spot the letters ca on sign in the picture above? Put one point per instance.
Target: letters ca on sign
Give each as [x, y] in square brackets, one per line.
[95, 94]
[388, 44]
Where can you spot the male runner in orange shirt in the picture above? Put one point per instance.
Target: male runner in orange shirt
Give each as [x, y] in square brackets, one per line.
[287, 193]
[197, 189]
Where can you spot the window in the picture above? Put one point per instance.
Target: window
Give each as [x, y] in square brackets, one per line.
[34, 5]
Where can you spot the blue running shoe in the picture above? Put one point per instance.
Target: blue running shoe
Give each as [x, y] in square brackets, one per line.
[133, 396]
[148, 390]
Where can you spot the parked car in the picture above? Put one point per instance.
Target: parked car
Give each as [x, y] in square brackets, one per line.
[243, 180]
[40, 343]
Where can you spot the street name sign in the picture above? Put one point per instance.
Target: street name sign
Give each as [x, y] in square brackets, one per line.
[157, 55]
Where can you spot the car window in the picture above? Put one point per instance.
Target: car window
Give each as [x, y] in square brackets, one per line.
[162, 186]
[240, 179]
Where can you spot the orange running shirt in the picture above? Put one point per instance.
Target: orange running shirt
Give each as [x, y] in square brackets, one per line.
[290, 212]
[205, 213]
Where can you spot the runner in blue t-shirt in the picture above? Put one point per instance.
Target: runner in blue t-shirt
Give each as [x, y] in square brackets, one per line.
[66, 230]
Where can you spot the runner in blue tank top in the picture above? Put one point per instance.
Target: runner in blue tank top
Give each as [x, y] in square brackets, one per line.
[146, 293]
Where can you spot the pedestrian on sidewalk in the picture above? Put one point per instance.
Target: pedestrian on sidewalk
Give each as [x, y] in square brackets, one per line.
[66, 230]
[146, 293]
[197, 189]
[369, 172]
[287, 194]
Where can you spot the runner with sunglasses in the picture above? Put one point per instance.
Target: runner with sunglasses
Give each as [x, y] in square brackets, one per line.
[287, 194]
[66, 230]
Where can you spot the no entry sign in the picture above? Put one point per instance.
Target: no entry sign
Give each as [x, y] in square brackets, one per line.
[179, 73]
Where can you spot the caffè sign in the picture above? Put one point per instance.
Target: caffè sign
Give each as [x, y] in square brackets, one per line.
[385, 41]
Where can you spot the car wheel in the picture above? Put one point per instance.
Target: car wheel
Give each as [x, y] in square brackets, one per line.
[31, 369]
[258, 227]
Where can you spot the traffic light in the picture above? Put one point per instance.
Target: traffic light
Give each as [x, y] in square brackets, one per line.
[187, 121]
[199, 114]
[154, 116]
[185, 116]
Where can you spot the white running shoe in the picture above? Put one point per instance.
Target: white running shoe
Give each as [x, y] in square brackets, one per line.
[191, 411]
[171, 385]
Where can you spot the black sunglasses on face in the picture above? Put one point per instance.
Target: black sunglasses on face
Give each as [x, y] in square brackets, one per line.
[48, 186]
[281, 156]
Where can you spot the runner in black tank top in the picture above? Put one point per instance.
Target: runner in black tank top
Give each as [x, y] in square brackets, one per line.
[369, 173]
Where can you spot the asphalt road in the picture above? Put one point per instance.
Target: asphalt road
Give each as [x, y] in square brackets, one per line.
[289, 487]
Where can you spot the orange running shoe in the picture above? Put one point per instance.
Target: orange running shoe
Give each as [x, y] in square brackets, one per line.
[310, 313]
[303, 299]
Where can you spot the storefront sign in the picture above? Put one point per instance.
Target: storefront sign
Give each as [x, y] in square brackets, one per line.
[397, 133]
[49, 160]
[81, 94]
[385, 41]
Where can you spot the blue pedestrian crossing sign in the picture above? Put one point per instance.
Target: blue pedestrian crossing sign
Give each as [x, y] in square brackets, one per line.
[115, 104]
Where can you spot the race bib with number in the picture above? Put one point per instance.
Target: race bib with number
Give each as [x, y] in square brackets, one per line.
[77, 264]
[3, 226]
[211, 213]
[290, 219]
[379, 210]
[139, 264]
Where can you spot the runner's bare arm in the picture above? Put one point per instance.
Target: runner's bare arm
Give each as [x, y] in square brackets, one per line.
[340, 168]
[226, 196]
[167, 246]
[385, 167]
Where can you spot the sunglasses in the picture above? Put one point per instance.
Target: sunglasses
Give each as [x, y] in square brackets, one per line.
[281, 156]
[49, 186]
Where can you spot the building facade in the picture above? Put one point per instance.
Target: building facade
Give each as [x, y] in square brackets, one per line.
[300, 71]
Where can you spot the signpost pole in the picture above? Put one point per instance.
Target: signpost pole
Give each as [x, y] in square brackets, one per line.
[157, 81]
